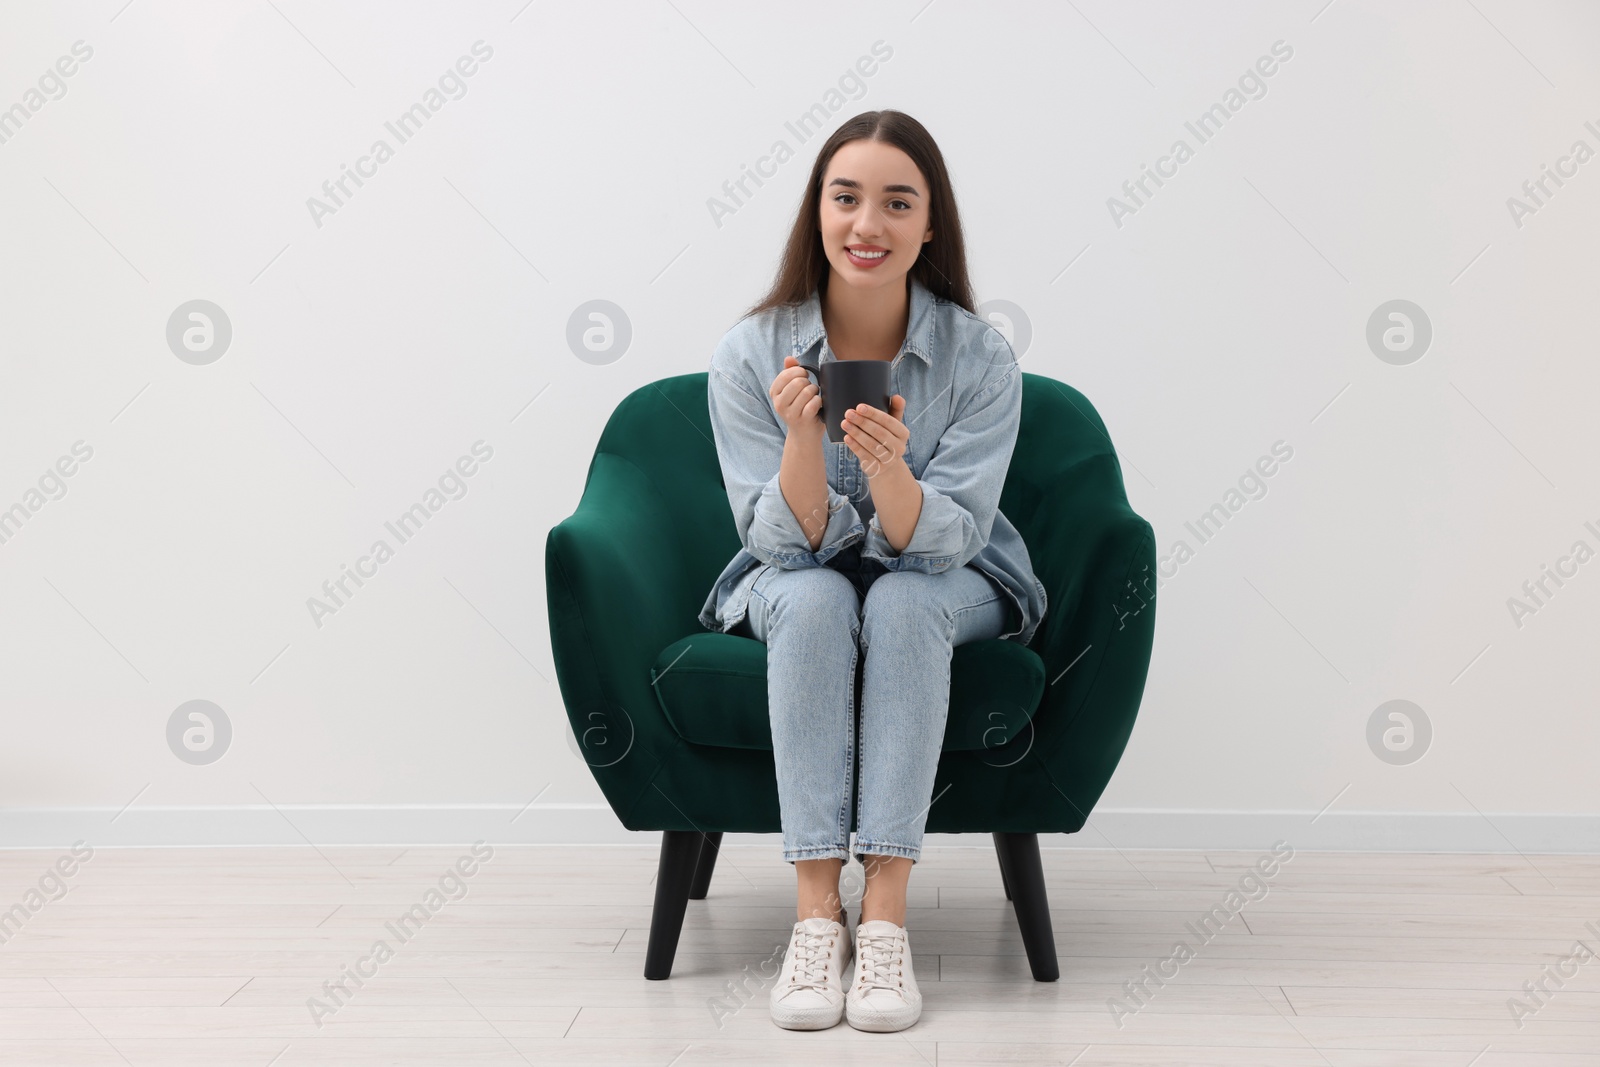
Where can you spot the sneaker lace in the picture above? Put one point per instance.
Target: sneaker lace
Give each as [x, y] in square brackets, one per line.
[811, 955]
[878, 961]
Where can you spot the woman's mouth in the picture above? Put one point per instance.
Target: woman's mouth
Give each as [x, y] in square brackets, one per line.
[866, 260]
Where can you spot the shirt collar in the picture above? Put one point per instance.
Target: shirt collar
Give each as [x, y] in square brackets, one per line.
[807, 322]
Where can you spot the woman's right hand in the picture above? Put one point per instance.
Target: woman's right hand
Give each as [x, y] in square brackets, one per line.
[797, 398]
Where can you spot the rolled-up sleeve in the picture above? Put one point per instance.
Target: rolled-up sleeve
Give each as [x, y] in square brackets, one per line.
[962, 480]
[750, 439]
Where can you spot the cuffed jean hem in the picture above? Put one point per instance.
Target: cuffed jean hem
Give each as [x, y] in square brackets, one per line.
[868, 848]
[817, 853]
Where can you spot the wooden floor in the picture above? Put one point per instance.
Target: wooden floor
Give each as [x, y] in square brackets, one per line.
[209, 956]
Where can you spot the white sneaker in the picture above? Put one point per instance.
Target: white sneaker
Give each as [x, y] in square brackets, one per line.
[884, 995]
[810, 990]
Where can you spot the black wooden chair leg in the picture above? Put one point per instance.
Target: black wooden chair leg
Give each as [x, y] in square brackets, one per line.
[1025, 874]
[1000, 854]
[675, 873]
[707, 864]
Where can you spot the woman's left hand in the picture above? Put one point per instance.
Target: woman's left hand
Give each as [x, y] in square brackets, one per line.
[877, 438]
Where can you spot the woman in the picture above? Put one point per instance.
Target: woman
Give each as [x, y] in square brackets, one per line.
[890, 545]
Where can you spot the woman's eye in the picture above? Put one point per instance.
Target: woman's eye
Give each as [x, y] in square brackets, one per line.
[846, 196]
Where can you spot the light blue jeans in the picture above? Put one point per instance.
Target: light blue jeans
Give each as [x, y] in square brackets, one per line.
[815, 621]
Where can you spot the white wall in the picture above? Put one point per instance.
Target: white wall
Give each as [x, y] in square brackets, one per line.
[372, 347]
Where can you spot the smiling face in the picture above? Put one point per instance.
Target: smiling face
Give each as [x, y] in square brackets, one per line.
[874, 214]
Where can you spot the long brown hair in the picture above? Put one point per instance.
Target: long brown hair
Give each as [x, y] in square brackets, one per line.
[942, 263]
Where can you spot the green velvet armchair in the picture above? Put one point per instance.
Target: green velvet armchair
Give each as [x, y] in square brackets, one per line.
[672, 718]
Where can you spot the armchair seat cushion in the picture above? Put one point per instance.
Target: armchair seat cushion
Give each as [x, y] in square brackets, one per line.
[712, 688]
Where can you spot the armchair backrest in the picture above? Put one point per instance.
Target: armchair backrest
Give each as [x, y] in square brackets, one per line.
[664, 430]
[1059, 430]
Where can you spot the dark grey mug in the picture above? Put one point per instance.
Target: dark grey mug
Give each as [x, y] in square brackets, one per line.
[844, 383]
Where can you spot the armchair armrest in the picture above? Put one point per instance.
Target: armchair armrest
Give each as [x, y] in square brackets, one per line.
[616, 591]
[1098, 569]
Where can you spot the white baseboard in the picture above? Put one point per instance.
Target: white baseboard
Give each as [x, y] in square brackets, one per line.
[594, 824]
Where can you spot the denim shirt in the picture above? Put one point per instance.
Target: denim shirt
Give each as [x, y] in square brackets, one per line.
[963, 393]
